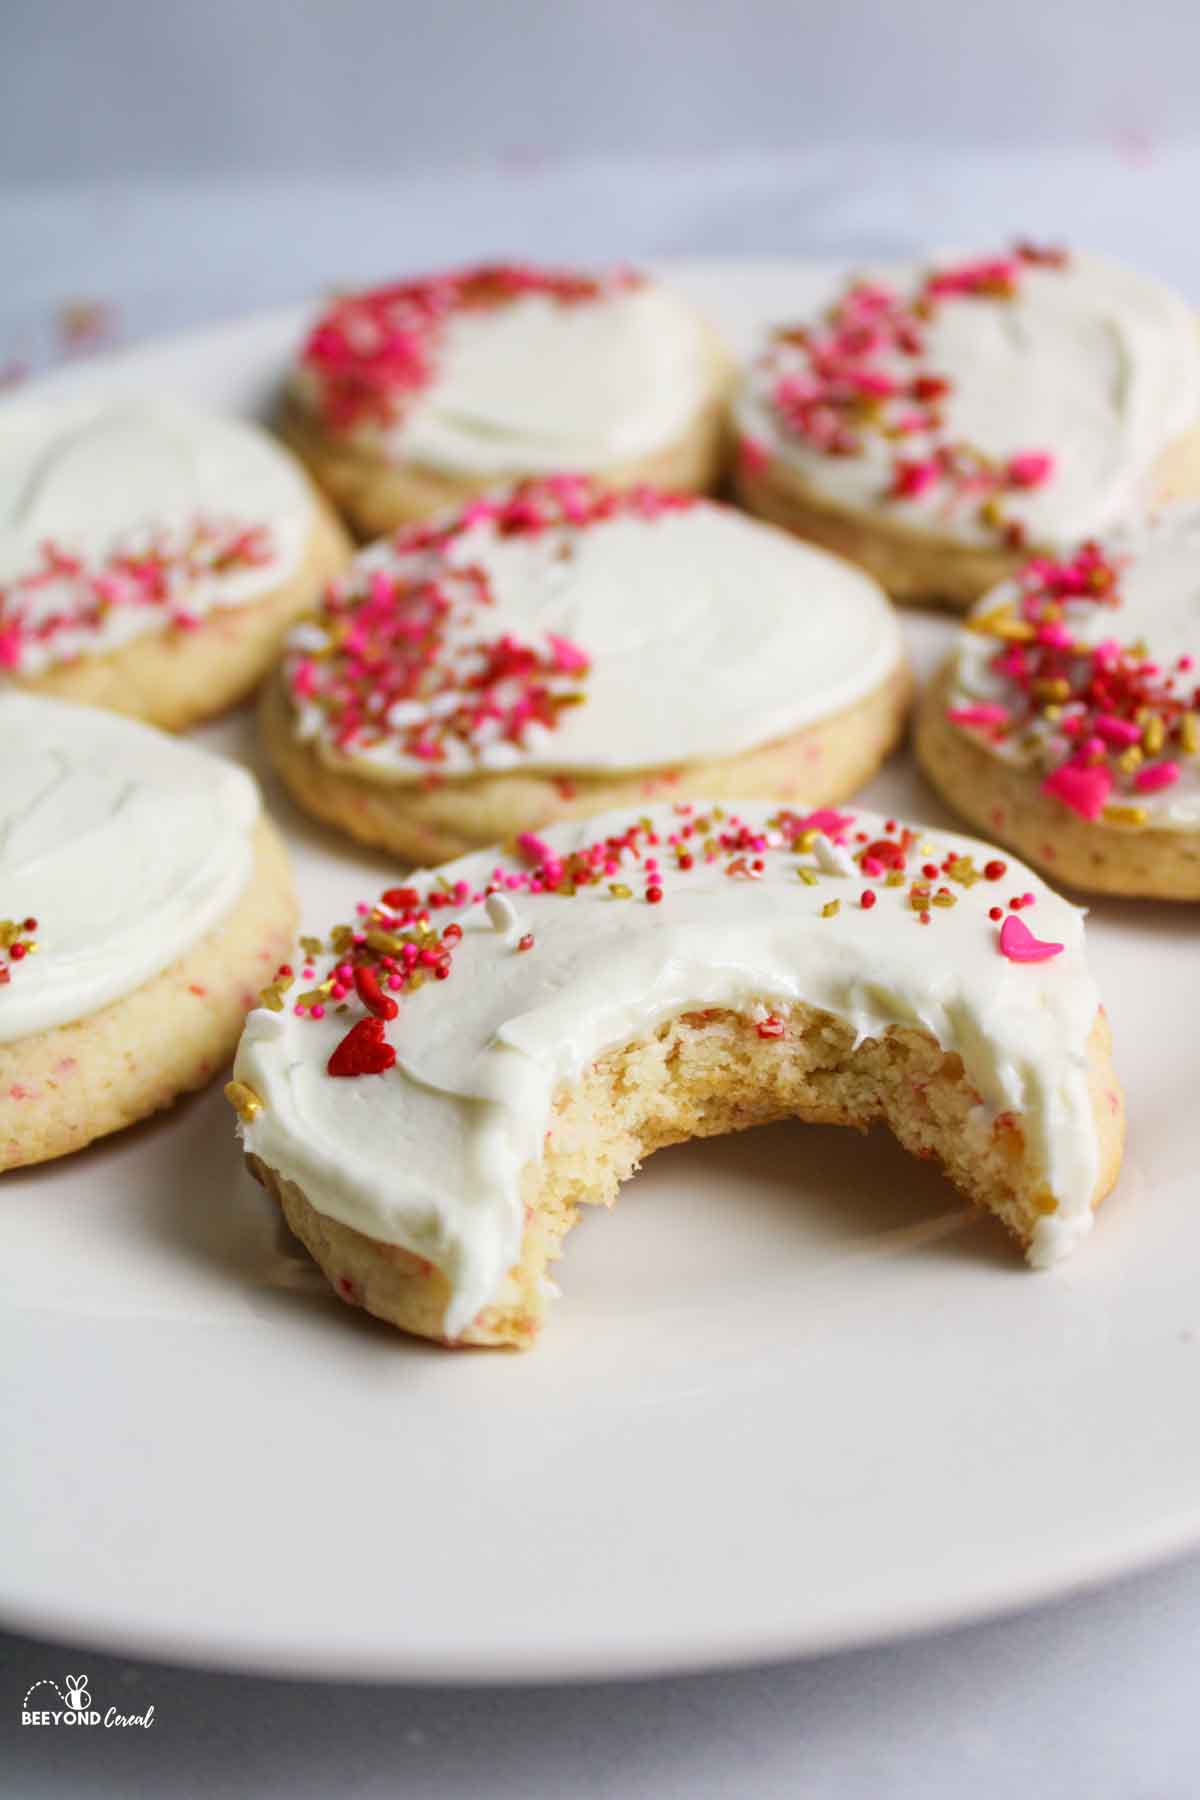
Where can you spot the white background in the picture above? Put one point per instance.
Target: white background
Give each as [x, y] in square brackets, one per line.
[188, 162]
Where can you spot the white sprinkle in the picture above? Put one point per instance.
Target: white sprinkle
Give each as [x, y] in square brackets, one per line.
[832, 859]
[502, 913]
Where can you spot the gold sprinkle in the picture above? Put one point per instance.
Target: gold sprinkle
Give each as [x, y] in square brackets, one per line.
[244, 1101]
[831, 909]
[388, 943]
[1124, 815]
[417, 978]
[1130, 759]
[1002, 624]
[944, 900]
[962, 869]
[311, 946]
[1154, 736]
[620, 891]
[807, 876]
[1056, 689]
[806, 840]
[991, 513]
[316, 996]
[894, 878]
[1189, 734]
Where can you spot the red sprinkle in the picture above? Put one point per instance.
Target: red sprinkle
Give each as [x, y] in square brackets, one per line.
[366, 984]
[363, 1051]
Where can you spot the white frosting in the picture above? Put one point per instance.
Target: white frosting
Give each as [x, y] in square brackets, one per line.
[127, 846]
[429, 1155]
[1158, 595]
[98, 479]
[659, 606]
[535, 385]
[1092, 363]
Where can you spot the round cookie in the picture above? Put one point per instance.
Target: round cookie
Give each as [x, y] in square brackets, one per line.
[939, 423]
[151, 898]
[409, 399]
[1066, 721]
[478, 1053]
[558, 650]
[151, 555]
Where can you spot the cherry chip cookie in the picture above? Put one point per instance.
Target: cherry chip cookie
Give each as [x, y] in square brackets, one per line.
[557, 649]
[472, 1056]
[148, 898]
[940, 423]
[151, 555]
[408, 399]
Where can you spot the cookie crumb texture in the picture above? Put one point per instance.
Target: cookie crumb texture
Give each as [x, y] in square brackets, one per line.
[703, 1074]
[63, 1088]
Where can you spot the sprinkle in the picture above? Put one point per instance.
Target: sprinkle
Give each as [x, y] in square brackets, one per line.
[501, 912]
[1124, 815]
[831, 909]
[244, 1101]
[1018, 943]
[771, 1027]
[526, 943]
[363, 1051]
[868, 899]
[982, 714]
[1085, 791]
[366, 984]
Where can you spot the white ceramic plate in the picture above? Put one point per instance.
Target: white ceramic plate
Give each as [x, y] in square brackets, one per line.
[794, 1397]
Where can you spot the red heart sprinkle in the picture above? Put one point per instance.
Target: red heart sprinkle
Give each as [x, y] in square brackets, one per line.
[363, 1051]
[1018, 943]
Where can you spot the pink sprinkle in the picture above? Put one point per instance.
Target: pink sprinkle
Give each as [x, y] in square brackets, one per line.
[752, 456]
[909, 478]
[985, 713]
[1018, 943]
[533, 848]
[1030, 469]
[1117, 731]
[1162, 775]
[569, 657]
[1084, 790]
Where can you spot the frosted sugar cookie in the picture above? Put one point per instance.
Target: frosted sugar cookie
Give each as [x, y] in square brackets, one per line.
[475, 1054]
[408, 399]
[151, 555]
[1067, 719]
[939, 423]
[558, 649]
[149, 898]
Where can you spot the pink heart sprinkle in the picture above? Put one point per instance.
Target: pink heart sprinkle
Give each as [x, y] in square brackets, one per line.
[1018, 943]
[1084, 790]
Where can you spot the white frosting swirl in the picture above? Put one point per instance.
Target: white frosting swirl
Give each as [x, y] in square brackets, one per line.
[1091, 363]
[533, 385]
[1156, 604]
[125, 845]
[429, 1155]
[657, 604]
[99, 480]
